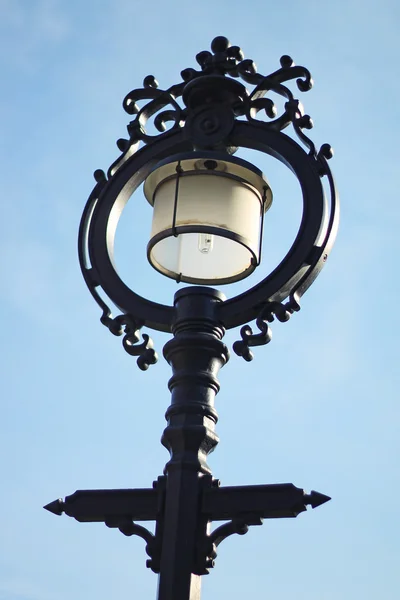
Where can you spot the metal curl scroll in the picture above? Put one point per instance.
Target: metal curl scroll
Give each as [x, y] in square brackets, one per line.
[249, 339]
[270, 310]
[126, 324]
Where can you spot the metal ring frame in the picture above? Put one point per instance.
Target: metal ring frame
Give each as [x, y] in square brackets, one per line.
[291, 277]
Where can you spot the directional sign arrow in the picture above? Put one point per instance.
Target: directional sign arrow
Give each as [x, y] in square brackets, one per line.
[273, 501]
[316, 499]
[101, 505]
[56, 507]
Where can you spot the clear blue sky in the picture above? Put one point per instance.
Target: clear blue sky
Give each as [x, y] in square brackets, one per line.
[317, 407]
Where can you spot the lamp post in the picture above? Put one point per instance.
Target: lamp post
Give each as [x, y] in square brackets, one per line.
[208, 213]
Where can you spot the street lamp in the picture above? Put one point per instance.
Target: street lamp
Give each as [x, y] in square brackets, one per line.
[207, 228]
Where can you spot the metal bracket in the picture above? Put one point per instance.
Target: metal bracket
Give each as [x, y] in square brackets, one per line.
[207, 547]
[128, 528]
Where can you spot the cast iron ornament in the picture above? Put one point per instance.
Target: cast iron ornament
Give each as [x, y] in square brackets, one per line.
[210, 109]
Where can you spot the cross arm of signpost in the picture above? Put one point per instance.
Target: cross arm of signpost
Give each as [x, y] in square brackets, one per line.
[244, 506]
[273, 501]
[240, 506]
[87, 506]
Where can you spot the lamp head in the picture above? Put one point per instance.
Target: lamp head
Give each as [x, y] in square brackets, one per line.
[208, 205]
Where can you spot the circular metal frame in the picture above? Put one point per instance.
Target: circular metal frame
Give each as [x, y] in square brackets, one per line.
[296, 271]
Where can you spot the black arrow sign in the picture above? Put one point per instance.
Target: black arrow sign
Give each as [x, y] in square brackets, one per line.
[266, 501]
[101, 505]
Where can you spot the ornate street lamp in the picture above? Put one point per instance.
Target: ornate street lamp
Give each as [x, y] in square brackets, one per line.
[207, 226]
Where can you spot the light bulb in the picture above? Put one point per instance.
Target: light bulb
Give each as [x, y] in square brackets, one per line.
[205, 243]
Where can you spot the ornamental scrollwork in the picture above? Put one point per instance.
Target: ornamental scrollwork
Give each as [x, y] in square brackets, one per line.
[271, 309]
[127, 326]
[165, 108]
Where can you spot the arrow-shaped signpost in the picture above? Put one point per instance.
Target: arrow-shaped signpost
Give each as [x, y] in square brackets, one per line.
[274, 501]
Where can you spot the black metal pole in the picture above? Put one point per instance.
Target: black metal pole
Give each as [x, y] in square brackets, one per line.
[196, 353]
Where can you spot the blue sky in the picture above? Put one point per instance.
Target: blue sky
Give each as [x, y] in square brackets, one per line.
[317, 407]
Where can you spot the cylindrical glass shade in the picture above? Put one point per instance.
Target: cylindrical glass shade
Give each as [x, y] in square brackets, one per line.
[207, 218]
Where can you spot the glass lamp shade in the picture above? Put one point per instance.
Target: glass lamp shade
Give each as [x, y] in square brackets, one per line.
[207, 217]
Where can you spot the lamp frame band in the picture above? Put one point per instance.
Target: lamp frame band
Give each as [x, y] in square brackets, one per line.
[218, 231]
